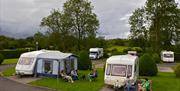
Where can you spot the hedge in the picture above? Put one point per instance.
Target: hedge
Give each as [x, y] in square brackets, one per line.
[177, 56]
[177, 70]
[84, 63]
[1, 58]
[147, 66]
[12, 53]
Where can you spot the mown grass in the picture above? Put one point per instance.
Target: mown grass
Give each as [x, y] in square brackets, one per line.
[10, 61]
[80, 85]
[118, 48]
[165, 81]
[9, 72]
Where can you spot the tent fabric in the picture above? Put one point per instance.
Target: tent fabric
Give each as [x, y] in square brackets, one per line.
[47, 54]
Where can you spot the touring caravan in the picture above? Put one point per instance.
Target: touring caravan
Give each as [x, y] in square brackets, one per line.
[119, 67]
[45, 62]
[167, 56]
[95, 53]
[134, 53]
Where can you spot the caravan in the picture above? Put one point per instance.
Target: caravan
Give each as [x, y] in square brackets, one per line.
[46, 63]
[119, 67]
[95, 53]
[167, 56]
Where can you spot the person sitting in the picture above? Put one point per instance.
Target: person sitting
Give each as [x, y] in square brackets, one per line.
[146, 85]
[92, 75]
[66, 77]
[74, 74]
[128, 85]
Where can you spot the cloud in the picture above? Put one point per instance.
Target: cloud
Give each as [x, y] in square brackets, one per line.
[21, 18]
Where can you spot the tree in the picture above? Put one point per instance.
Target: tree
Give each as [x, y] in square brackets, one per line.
[157, 23]
[41, 39]
[84, 21]
[75, 22]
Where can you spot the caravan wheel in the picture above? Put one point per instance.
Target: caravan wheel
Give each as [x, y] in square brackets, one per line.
[36, 75]
[19, 76]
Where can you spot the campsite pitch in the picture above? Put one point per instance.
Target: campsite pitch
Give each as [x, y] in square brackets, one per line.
[80, 85]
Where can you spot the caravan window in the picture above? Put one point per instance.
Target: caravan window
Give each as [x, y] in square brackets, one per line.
[129, 71]
[168, 55]
[108, 69]
[118, 70]
[25, 61]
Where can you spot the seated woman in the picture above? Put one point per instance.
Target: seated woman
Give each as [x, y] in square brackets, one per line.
[74, 74]
[92, 75]
[64, 76]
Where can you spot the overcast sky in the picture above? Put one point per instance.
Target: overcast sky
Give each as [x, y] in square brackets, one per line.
[21, 18]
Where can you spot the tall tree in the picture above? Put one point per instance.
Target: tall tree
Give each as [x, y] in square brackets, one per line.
[161, 20]
[139, 29]
[84, 21]
[76, 20]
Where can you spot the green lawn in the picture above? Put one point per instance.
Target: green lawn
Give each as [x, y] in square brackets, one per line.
[119, 48]
[9, 72]
[10, 61]
[80, 85]
[165, 82]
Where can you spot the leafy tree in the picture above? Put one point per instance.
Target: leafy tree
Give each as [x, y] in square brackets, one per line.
[76, 22]
[84, 21]
[41, 39]
[157, 23]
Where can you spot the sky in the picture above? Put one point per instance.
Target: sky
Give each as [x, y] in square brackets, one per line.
[21, 18]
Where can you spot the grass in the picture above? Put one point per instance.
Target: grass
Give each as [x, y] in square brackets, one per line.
[165, 81]
[10, 61]
[9, 72]
[119, 48]
[80, 85]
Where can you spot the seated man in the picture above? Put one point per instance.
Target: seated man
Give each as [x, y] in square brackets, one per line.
[146, 85]
[92, 75]
[64, 76]
[128, 85]
[74, 75]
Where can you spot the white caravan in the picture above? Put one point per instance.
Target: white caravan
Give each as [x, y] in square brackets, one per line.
[119, 67]
[134, 53]
[95, 53]
[45, 62]
[167, 56]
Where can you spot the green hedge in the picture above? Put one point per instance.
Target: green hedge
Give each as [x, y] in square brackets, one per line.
[177, 56]
[84, 63]
[1, 58]
[177, 70]
[12, 53]
[147, 66]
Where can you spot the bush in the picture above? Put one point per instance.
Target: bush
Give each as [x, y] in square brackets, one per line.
[1, 58]
[177, 57]
[84, 62]
[177, 70]
[12, 53]
[156, 58]
[147, 66]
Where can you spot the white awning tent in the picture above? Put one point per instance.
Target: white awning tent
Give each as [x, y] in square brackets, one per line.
[44, 60]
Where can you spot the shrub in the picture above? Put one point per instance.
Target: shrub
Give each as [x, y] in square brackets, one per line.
[177, 70]
[156, 58]
[147, 66]
[177, 57]
[1, 58]
[13, 53]
[84, 62]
